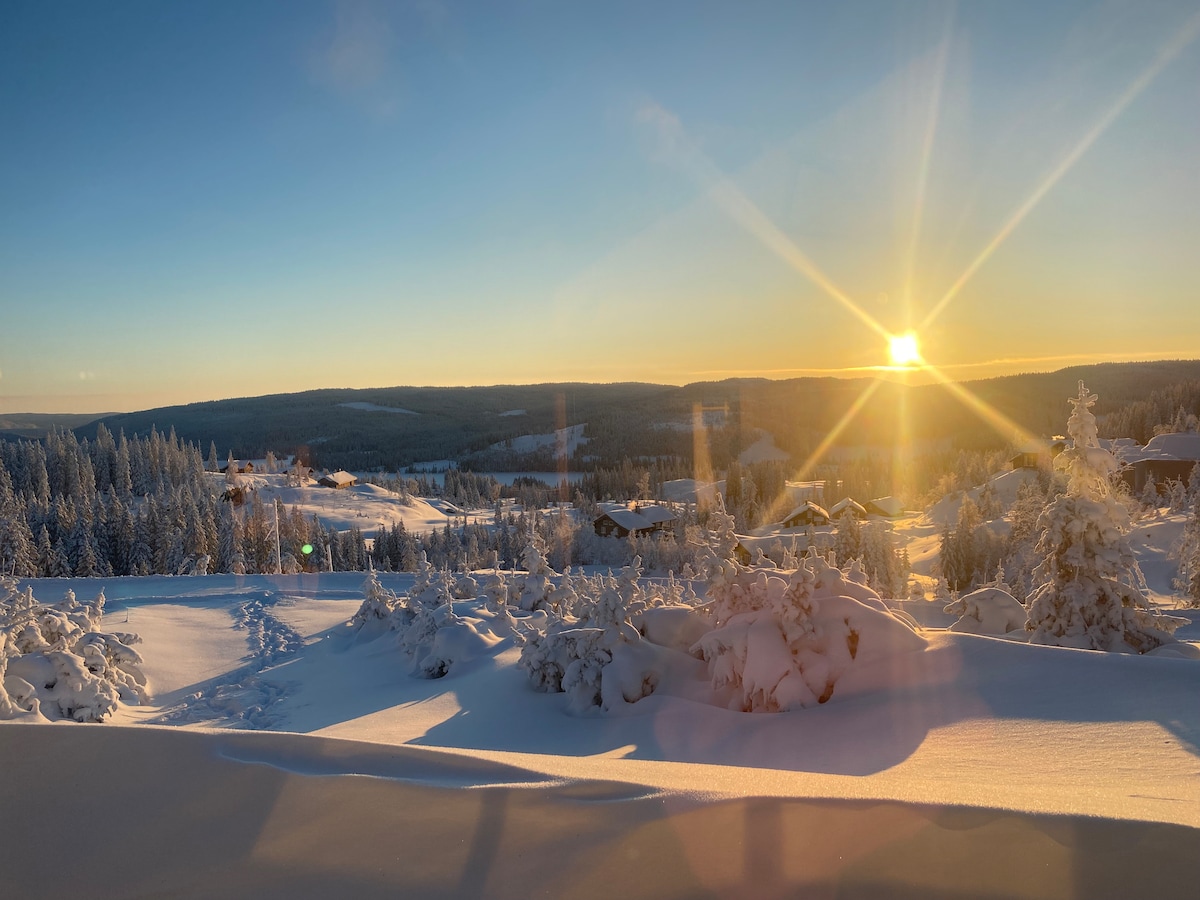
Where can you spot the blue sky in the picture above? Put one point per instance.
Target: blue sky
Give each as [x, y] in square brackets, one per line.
[213, 200]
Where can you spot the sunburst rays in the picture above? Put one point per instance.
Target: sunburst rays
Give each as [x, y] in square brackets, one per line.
[905, 354]
[1169, 51]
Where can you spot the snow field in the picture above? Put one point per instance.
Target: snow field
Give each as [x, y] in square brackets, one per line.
[966, 761]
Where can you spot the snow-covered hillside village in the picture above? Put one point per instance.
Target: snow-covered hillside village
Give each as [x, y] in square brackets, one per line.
[1000, 684]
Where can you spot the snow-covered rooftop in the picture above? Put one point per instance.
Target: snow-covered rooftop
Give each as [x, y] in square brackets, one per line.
[642, 519]
[1180, 445]
[808, 504]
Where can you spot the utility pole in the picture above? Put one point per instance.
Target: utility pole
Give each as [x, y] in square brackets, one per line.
[278, 560]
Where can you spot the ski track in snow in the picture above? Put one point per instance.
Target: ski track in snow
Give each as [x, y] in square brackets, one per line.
[244, 698]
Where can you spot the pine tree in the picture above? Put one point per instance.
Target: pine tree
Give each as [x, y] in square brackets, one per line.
[18, 554]
[849, 541]
[1090, 595]
[45, 554]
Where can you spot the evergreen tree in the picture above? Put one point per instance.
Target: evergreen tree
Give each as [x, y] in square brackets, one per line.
[848, 544]
[18, 553]
[45, 554]
[1090, 594]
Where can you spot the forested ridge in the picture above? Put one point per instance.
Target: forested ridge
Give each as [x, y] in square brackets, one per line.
[470, 425]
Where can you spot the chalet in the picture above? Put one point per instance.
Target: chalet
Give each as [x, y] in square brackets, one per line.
[1168, 457]
[804, 515]
[887, 507]
[621, 521]
[847, 504]
[240, 469]
[337, 480]
[1037, 454]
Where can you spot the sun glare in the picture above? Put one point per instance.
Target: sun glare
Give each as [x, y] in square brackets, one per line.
[903, 350]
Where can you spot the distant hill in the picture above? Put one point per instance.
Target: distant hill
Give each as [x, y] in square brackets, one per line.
[395, 427]
[34, 425]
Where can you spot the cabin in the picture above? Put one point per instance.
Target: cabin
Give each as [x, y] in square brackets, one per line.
[808, 513]
[1168, 457]
[1037, 454]
[850, 505]
[886, 507]
[338, 480]
[620, 521]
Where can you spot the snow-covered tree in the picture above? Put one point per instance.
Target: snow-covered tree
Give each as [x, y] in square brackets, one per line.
[232, 479]
[1188, 580]
[849, 541]
[1089, 593]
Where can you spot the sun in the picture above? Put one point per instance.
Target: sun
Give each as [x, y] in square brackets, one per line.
[903, 349]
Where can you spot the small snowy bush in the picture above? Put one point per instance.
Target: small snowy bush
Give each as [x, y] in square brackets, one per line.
[55, 661]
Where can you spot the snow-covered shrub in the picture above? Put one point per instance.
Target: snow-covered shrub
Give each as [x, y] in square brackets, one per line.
[570, 660]
[783, 639]
[582, 639]
[379, 606]
[989, 610]
[54, 660]
[465, 587]
[1090, 590]
[428, 631]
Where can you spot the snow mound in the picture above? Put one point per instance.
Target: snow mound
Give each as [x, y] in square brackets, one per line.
[988, 610]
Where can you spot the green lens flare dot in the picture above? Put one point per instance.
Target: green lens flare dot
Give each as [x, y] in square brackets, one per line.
[306, 549]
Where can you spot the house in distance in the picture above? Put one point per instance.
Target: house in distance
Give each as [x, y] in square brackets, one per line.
[1167, 457]
[808, 513]
[337, 480]
[618, 520]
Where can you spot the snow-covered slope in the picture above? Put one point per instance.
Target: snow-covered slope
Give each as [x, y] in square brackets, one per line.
[363, 506]
[975, 765]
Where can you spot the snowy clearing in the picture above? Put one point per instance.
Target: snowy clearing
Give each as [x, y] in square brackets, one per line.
[375, 407]
[570, 439]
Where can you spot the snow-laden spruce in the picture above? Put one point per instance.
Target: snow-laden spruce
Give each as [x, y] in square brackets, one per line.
[784, 640]
[1091, 593]
[56, 663]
